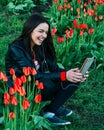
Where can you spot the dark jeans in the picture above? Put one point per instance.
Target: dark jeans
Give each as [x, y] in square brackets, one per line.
[57, 92]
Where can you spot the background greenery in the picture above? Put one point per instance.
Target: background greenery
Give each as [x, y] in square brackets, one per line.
[88, 101]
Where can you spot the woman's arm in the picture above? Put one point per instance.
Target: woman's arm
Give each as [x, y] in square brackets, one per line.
[21, 59]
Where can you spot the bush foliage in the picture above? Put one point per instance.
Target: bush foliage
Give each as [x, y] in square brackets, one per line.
[77, 28]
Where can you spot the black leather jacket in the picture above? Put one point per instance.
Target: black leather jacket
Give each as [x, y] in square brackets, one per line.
[18, 56]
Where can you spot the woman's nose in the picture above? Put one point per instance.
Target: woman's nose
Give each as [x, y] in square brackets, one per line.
[45, 34]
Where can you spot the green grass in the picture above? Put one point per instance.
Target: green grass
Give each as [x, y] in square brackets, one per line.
[10, 28]
[88, 104]
[88, 101]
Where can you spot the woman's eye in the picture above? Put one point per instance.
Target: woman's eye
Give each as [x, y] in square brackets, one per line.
[40, 31]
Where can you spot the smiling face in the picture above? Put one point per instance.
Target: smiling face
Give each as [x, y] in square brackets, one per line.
[39, 34]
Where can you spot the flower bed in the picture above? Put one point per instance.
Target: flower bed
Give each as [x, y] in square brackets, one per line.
[22, 102]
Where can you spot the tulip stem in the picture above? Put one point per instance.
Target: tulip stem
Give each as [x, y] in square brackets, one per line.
[15, 119]
[20, 110]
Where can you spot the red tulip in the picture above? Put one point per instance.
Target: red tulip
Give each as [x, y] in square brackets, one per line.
[18, 81]
[12, 71]
[69, 6]
[91, 30]
[81, 33]
[33, 71]
[38, 98]
[11, 91]
[27, 71]
[76, 25]
[71, 32]
[65, 0]
[54, 30]
[40, 86]
[23, 79]
[59, 7]
[55, 1]
[79, 1]
[1, 75]
[6, 98]
[22, 91]
[11, 115]
[83, 26]
[14, 100]
[16, 87]
[60, 39]
[25, 104]
[36, 82]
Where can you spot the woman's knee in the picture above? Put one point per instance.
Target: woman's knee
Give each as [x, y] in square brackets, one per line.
[50, 88]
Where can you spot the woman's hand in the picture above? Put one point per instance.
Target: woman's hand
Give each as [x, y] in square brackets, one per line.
[74, 75]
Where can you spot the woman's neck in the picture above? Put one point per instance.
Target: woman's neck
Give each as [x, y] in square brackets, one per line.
[32, 46]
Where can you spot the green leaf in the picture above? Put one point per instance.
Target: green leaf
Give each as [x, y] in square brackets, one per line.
[99, 66]
[42, 104]
[95, 54]
[11, 5]
[20, 6]
[1, 120]
[60, 65]
[41, 122]
[101, 43]
[8, 126]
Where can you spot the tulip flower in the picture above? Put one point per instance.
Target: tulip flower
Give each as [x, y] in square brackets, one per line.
[11, 115]
[25, 104]
[38, 98]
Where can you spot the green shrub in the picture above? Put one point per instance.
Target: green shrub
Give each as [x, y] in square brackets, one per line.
[79, 27]
[18, 6]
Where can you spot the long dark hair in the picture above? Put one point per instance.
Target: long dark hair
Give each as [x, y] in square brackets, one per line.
[32, 22]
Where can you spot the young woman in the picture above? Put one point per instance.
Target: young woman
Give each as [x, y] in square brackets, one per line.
[35, 48]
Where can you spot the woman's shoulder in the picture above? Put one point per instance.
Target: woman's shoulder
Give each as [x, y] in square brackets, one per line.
[16, 45]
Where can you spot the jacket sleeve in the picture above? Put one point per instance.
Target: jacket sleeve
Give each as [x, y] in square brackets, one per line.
[52, 76]
[55, 72]
[53, 67]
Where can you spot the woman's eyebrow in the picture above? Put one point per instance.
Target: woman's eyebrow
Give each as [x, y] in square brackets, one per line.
[43, 30]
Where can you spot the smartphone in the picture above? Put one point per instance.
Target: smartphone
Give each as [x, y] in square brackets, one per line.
[86, 65]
